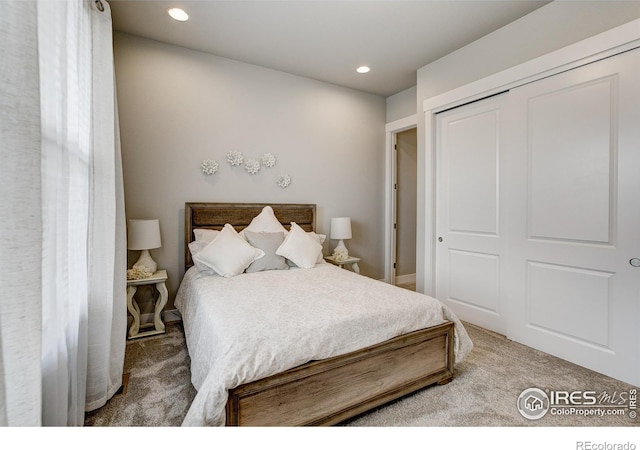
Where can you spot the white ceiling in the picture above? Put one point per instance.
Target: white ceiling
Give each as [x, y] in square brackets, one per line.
[325, 40]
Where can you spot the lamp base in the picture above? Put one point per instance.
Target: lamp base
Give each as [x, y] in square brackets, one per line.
[146, 262]
[340, 253]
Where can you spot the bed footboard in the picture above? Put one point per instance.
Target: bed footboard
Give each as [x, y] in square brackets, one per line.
[330, 391]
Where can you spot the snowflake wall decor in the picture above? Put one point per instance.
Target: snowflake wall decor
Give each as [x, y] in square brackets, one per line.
[209, 166]
[284, 181]
[252, 166]
[268, 160]
[235, 158]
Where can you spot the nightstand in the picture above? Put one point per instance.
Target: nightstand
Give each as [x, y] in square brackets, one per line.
[158, 279]
[352, 260]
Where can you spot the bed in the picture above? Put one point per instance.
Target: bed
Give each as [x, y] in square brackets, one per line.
[305, 345]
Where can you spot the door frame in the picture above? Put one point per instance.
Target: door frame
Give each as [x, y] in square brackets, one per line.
[390, 211]
[617, 40]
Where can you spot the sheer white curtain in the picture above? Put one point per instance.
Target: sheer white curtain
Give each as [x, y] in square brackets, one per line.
[20, 217]
[80, 211]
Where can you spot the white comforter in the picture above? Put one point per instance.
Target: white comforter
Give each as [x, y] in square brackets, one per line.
[254, 325]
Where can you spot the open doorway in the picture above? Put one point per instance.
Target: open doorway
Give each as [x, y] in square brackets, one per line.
[406, 206]
[401, 202]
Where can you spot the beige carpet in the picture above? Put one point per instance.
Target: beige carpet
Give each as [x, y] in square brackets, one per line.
[484, 392]
[158, 391]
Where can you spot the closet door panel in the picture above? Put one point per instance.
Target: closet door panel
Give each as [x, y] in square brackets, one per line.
[574, 166]
[571, 159]
[469, 245]
[538, 214]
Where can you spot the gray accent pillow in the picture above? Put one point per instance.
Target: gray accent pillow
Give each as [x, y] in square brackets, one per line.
[268, 243]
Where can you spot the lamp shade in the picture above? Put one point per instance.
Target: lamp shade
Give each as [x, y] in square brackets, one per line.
[143, 234]
[341, 228]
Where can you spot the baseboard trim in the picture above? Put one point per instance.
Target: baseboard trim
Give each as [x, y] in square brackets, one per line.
[168, 316]
[172, 315]
[404, 279]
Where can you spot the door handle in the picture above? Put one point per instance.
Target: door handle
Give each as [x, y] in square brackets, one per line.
[440, 240]
[635, 262]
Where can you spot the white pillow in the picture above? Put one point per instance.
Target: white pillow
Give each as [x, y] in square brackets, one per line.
[203, 234]
[300, 248]
[318, 237]
[194, 248]
[228, 254]
[265, 222]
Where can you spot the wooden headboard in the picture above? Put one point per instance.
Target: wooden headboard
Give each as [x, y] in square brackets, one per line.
[214, 216]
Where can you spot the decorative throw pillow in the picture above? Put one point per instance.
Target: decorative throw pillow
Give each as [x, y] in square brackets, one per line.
[269, 244]
[203, 234]
[302, 249]
[265, 222]
[318, 237]
[195, 247]
[228, 254]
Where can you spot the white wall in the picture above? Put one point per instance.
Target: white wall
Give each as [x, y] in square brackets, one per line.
[401, 105]
[178, 107]
[549, 28]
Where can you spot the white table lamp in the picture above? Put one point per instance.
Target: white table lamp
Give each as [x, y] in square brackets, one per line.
[144, 235]
[341, 229]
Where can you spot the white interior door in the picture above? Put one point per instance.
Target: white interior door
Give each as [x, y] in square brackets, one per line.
[574, 216]
[538, 214]
[470, 242]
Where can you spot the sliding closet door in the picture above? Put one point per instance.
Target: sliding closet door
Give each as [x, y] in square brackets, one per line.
[470, 241]
[574, 220]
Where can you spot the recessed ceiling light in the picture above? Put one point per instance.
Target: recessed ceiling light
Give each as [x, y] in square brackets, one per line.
[363, 69]
[178, 14]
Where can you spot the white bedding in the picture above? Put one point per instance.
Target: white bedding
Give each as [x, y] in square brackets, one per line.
[250, 326]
